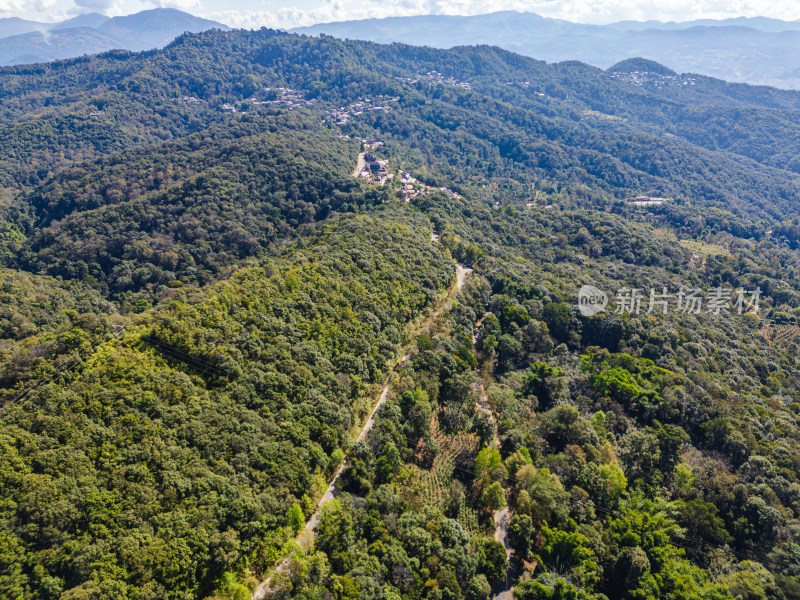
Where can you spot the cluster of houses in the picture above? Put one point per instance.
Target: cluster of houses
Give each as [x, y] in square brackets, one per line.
[371, 169]
[371, 143]
[343, 114]
[412, 188]
[408, 185]
[283, 98]
[436, 77]
[191, 100]
[655, 79]
[290, 99]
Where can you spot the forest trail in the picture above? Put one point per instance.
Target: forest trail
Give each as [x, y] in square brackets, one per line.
[483, 406]
[332, 492]
[478, 324]
[461, 276]
[502, 517]
[263, 590]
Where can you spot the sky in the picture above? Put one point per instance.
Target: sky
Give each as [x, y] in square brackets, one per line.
[287, 13]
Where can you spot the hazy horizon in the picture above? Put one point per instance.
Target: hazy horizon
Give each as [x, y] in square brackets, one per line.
[254, 14]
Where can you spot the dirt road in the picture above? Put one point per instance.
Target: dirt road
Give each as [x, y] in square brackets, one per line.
[332, 492]
[461, 275]
[502, 518]
[263, 590]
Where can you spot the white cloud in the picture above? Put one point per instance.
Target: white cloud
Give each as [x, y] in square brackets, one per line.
[584, 11]
[328, 10]
[101, 6]
[23, 7]
[245, 19]
[187, 5]
[292, 13]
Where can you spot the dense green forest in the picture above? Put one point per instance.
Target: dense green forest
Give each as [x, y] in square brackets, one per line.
[200, 305]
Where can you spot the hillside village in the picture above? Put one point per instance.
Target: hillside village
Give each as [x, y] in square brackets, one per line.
[370, 169]
[650, 78]
[282, 97]
[432, 77]
[290, 99]
[375, 171]
[341, 115]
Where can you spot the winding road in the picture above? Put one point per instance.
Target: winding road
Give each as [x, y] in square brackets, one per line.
[263, 590]
[360, 165]
[332, 492]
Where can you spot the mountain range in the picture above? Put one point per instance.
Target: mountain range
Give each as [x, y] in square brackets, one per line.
[751, 50]
[755, 50]
[24, 41]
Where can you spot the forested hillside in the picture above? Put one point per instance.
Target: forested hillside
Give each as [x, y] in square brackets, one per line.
[216, 256]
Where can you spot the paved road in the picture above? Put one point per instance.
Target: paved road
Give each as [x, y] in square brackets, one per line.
[360, 166]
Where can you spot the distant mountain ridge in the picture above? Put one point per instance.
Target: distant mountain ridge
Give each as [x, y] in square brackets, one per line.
[30, 41]
[746, 50]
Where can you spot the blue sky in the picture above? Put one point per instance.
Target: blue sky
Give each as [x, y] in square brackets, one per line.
[287, 13]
